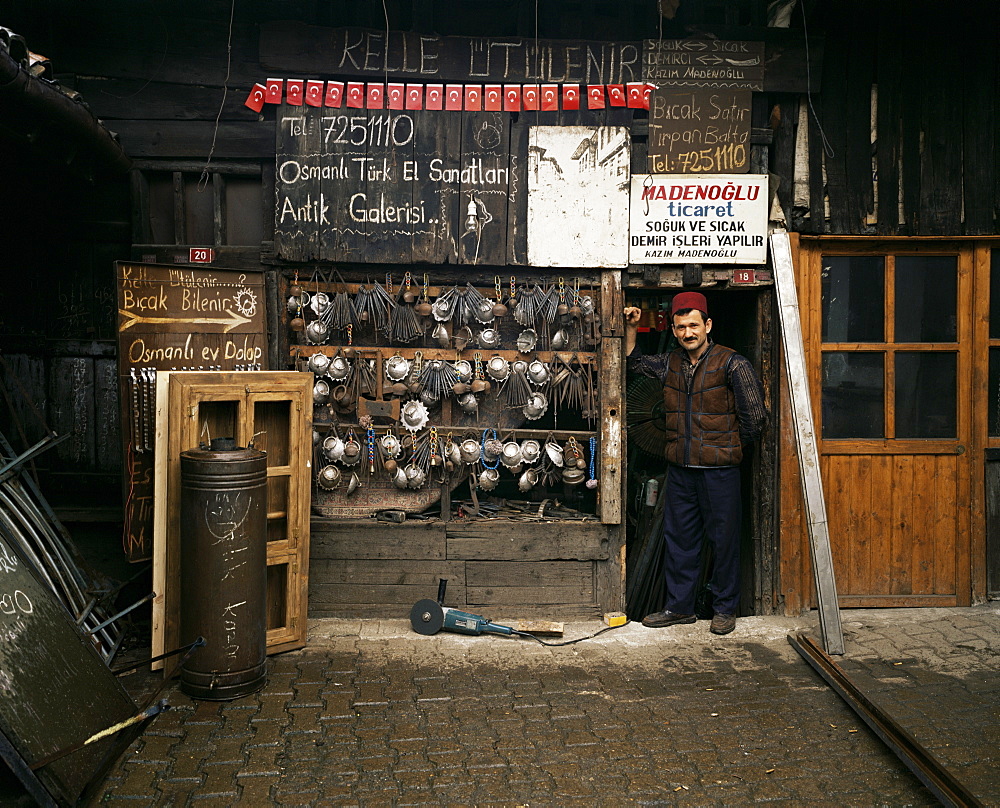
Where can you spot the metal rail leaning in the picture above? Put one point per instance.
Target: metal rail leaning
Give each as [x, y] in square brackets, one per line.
[944, 785]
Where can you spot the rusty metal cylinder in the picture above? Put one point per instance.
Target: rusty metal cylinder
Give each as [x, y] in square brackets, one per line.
[223, 531]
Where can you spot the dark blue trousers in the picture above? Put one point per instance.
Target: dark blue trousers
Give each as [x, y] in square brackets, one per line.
[702, 505]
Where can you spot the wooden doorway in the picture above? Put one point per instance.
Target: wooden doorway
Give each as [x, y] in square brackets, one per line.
[889, 332]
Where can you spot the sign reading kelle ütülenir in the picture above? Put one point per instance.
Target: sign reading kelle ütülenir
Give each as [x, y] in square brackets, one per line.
[680, 219]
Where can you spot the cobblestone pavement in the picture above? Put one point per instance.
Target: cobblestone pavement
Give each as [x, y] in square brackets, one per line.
[372, 714]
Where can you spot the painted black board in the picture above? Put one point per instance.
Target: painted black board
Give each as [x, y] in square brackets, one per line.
[437, 152]
[517, 207]
[343, 153]
[57, 690]
[484, 183]
[389, 215]
[300, 206]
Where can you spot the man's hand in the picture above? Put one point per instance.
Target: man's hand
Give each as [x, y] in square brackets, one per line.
[632, 316]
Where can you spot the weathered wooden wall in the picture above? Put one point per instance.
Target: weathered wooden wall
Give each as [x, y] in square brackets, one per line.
[534, 570]
[903, 139]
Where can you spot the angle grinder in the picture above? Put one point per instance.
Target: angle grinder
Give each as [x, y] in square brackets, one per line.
[431, 616]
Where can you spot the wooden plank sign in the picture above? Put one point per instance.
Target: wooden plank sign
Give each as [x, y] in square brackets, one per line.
[393, 187]
[578, 196]
[175, 318]
[704, 63]
[699, 131]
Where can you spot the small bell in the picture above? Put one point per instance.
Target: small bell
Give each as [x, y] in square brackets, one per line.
[499, 309]
[297, 324]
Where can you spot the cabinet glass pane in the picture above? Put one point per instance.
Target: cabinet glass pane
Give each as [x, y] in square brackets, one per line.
[853, 298]
[925, 395]
[853, 395]
[277, 596]
[271, 420]
[926, 298]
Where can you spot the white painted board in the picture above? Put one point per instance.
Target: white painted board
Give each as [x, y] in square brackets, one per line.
[578, 191]
[710, 219]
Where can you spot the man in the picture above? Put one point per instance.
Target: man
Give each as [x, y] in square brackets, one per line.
[714, 405]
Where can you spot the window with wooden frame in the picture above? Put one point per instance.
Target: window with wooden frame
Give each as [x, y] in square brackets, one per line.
[889, 329]
[174, 203]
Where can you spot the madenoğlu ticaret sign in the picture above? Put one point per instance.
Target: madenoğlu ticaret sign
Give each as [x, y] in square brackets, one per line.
[680, 219]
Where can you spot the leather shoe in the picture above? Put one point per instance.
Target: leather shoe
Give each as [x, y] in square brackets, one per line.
[723, 623]
[664, 619]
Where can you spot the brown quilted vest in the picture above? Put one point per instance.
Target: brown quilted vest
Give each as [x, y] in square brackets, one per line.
[702, 427]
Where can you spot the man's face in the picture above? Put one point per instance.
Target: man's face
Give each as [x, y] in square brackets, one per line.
[692, 332]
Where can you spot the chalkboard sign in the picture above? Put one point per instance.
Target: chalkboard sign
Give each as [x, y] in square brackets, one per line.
[175, 318]
[392, 186]
[699, 130]
[56, 691]
[704, 63]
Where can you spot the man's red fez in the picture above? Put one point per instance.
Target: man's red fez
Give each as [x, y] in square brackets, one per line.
[689, 300]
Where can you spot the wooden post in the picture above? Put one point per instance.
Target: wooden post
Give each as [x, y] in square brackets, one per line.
[805, 440]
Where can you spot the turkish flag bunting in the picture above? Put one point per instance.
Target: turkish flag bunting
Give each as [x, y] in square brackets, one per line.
[435, 96]
[294, 89]
[595, 96]
[334, 94]
[314, 93]
[375, 96]
[414, 96]
[647, 92]
[512, 98]
[530, 93]
[571, 96]
[473, 97]
[256, 98]
[492, 98]
[616, 95]
[635, 92]
[356, 94]
[550, 97]
[453, 97]
[394, 94]
[274, 90]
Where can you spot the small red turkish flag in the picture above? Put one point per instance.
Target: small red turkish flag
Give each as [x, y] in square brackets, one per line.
[414, 96]
[647, 93]
[492, 98]
[294, 90]
[355, 94]
[512, 98]
[453, 97]
[334, 94]
[314, 93]
[550, 97]
[530, 93]
[595, 96]
[635, 92]
[435, 96]
[473, 97]
[274, 89]
[616, 95]
[375, 96]
[571, 96]
[256, 98]
[394, 96]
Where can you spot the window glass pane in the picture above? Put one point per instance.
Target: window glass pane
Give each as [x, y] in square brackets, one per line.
[994, 294]
[853, 298]
[853, 395]
[199, 211]
[926, 298]
[993, 394]
[925, 395]
[243, 217]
